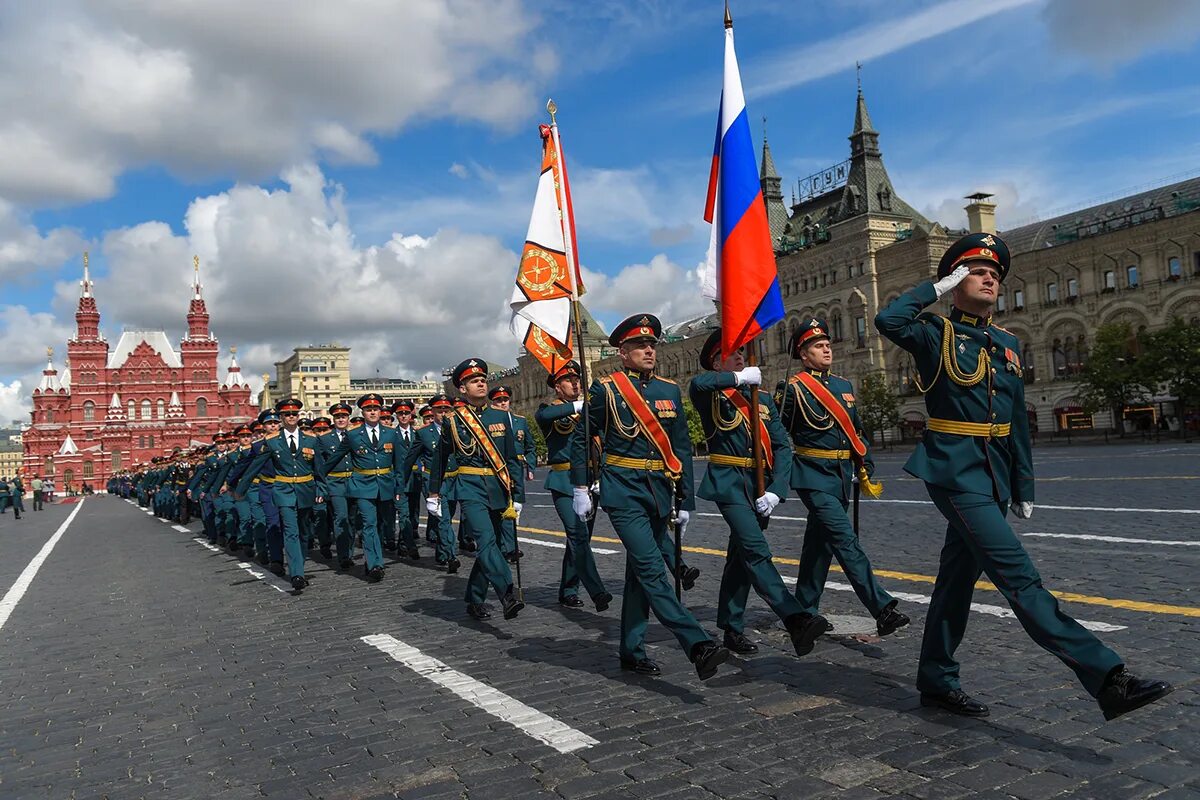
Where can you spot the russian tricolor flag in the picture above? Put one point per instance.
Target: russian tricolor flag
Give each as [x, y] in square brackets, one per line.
[740, 274]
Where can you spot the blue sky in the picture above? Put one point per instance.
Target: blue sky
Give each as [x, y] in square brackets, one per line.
[377, 166]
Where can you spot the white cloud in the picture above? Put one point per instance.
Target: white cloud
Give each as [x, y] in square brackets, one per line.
[1110, 32]
[25, 251]
[660, 287]
[459, 171]
[14, 406]
[228, 86]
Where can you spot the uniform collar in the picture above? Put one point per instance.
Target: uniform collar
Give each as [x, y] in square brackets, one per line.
[973, 320]
[820, 373]
[644, 377]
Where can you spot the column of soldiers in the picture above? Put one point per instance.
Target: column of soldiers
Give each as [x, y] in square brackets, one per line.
[276, 487]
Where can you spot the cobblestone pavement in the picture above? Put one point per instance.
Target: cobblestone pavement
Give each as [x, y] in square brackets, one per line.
[140, 663]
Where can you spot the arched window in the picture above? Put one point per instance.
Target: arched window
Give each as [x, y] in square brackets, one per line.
[89, 411]
[116, 459]
[1027, 361]
[48, 465]
[142, 442]
[836, 324]
[161, 408]
[1071, 355]
[87, 469]
[1059, 358]
[145, 409]
[151, 443]
[1174, 268]
[201, 407]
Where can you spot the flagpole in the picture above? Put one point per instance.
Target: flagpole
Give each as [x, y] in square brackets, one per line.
[560, 189]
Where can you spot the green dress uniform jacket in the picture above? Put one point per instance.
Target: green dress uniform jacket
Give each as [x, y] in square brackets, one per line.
[727, 435]
[375, 468]
[337, 479]
[458, 443]
[810, 426]
[1001, 466]
[290, 488]
[557, 421]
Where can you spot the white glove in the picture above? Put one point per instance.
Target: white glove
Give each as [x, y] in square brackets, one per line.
[766, 504]
[434, 506]
[953, 279]
[750, 376]
[1022, 510]
[578, 406]
[517, 508]
[581, 501]
[682, 518]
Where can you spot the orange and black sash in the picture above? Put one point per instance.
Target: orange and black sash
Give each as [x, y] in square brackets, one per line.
[648, 422]
[836, 409]
[743, 408]
[496, 461]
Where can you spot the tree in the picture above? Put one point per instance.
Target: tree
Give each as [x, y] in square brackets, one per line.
[539, 441]
[1112, 378]
[695, 426]
[1172, 358]
[878, 406]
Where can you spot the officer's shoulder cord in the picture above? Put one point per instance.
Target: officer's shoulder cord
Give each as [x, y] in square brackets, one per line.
[624, 431]
[467, 446]
[950, 362]
[812, 418]
[565, 425]
[720, 422]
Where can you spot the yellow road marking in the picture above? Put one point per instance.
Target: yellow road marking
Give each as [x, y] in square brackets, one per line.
[1073, 597]
[1121, 478]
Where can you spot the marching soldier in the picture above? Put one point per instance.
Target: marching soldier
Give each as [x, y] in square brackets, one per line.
[374, 455]
[489, 485]
[409, 503]
[427, 417]
[500, 398]
[322, 514]
[558, 421]
[298, 485]
[647, 467]
[721, 396]
[819, 413]
[976, 461]
[239, 461]
[418, 464]
[337, 480]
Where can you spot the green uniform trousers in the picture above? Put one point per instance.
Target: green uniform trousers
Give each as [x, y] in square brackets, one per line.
[245, 530]
[828, 535]
[442, 530]
[223, 516]
[343, 536]
[647, 542]
[385, 523]
[979, 540]
[579, 563]
[373, 514]
[410, 506]
[748, 563]
[258, 523]
[297, 526]
[484, 527]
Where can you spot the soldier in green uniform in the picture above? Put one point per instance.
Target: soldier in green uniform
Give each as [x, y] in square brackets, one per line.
[298, 485]
[418, 466]
[976, 461]
[426, 415]
[489, 484]
[500, 398]
[240, 458]
[558, 421]
[818, 411]
[722, 397]
[647, 465]
[322, 513]
[337, 479]
[409, 505]
[374, 454]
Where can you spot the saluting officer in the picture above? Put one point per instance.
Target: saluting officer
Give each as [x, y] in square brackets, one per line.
[558, 420]
[489, 484]
[375, 458]
[819, 412]
[639, 418]
[721, 396]
[976, 460]
[299, 483]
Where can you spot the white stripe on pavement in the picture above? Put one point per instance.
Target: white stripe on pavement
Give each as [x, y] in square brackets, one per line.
[1127, 539]
[526, 719]
[600, 551]
[18, 589]
[982, 608]
[1065, 508]
[181, 529]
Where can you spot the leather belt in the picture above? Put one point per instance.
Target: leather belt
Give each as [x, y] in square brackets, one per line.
[984, 429]
[816, 452]
[647, 464]
[290, 479]
[450, 473]
[475, 471]
[379, 471]
[730, 461]
[560, 467]
[345, 474]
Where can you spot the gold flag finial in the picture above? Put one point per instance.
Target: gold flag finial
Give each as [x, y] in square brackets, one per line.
[196, 264]
[49, 352]
[728, 16]
[552, 107]
[233, 350]
[85, 260]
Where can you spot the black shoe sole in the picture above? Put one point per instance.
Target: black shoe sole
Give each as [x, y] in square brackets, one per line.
[708, 668]
[634, 668]
[512, 611]
[889, 630]
[1111, 714]
[602, 605]
[935, 702]
[742, 651]
[813, 630]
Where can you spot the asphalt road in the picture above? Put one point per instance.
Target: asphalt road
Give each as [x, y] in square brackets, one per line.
[137, 662]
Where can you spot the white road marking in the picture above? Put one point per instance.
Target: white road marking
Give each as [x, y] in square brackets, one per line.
[181, 529]
[262, 576]
[1127, 539]
[21, 585]
[205, 543]
[982, 608]
[1036, 506]
[600, 551]
[526, 719]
